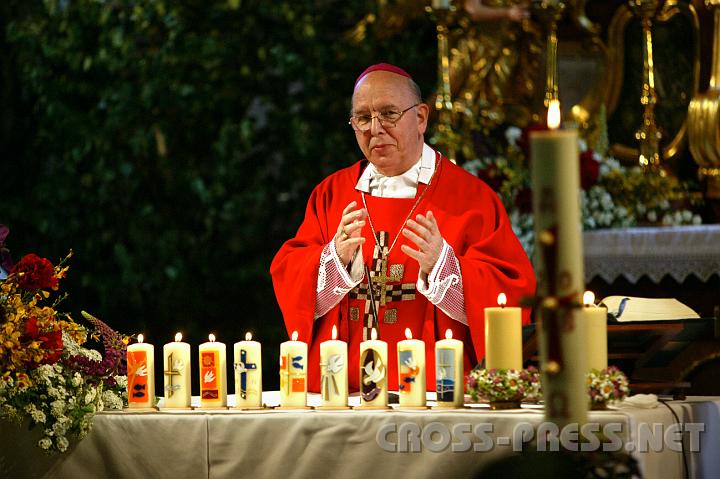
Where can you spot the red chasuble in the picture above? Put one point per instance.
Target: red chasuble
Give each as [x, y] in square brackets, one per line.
[472, 220]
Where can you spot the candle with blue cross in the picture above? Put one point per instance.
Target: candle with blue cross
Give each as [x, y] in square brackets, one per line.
[248, 373]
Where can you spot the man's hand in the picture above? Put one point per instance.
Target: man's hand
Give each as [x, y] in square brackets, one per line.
[349, 233]
[425, 234]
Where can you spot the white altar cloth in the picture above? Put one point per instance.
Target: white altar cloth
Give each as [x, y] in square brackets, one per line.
[678, 251]
[348, 444]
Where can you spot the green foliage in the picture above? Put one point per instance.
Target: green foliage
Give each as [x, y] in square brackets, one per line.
[173, 144]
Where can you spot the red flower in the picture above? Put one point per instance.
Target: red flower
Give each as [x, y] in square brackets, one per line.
[524, 140]
[589, 169]
[31, 328]
[34, 272]
[53, 344]
[523, 200]
[492, 176]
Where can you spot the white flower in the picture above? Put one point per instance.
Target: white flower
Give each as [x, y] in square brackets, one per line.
[37, 415]
[77, 379]
[121, 381]
[111, 400]
[45, 443]
[512, 135]
[62, 444]
[652, 216]
[696, 220]
[90, 395]
[57, 407]
[687, 216]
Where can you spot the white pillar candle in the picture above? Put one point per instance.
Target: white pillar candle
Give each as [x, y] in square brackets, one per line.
[449, 373]
[293, 373]
[595, 318]
[373, 372]
[559, 266]
[213, 377]
[333, 372]
[176, 361]
[411, 371]
[141, 374]
[503, 336]
[248, 373]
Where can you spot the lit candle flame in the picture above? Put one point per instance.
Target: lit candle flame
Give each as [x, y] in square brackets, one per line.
[408, 333]
[553, 115]
[294, 335]
[211, 337]
[448, 334]
[140, 338]
[334, 332]
[373, 334]
[502, 300]
[589, 298]
[178, 337]
[248, 336]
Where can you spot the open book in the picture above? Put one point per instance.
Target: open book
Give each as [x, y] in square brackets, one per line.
[629, 308]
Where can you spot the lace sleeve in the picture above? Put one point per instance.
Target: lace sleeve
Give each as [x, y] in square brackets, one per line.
[334, 281]
[443, 287]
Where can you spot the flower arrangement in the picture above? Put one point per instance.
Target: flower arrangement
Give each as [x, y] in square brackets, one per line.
[612, 196]
[47, 377]
[606, 386]
[504, 385]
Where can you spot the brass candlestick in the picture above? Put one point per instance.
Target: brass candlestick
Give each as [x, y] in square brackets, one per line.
[704, 119]
[648, 134]
[549, 13]
[441, 12]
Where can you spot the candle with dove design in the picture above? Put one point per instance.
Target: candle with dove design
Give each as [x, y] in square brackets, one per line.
[333, 372]
[449, 373]
[293, 373]
[373, 372]
[213, 378]
[176, 361]
[411, 371]
[248, 373]
[141, 374]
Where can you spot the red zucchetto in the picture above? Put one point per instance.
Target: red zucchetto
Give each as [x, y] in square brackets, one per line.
[384, 67]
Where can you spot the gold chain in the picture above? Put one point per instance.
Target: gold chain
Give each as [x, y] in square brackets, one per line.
[417, 202]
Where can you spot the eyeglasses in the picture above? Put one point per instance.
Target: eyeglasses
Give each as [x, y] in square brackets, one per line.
[388, 119]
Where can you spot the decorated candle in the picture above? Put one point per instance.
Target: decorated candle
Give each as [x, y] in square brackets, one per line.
[293, 373]
[595, 318]
[373, 372]
[333, 371]
[248, 373]
[213, 378]
[449, 373]
[503, 336]
[559, 266]
[141, 374]
[411, 371]
[176, 364]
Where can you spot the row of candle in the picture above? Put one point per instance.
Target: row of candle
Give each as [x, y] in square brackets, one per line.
[503, 340]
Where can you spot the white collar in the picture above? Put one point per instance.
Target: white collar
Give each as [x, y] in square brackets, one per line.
[420, 172]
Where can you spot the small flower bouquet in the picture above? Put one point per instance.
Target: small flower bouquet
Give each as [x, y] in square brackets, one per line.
[504, 388]
[47, 378]
[608, 385]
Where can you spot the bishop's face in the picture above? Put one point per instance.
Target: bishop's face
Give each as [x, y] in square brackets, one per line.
[393, 150]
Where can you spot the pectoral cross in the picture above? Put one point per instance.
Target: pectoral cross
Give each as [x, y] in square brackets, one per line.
[170, 372]
[243, 365]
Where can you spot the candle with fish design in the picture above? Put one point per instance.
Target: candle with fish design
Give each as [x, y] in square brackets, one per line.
[373, 373]
[333, 372]
[213, 378]
[411, 371]
[248, 373]
[176, 359]
[449, 372]
[141, 374]
[293, 373]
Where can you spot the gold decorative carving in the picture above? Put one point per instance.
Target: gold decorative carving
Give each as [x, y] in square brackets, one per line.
[704, 118]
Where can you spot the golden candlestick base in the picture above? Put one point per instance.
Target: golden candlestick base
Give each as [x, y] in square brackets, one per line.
[550, 13]
[443, 98]
[704, 119]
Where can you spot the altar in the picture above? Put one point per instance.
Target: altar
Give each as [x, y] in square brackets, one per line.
[352, 443]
